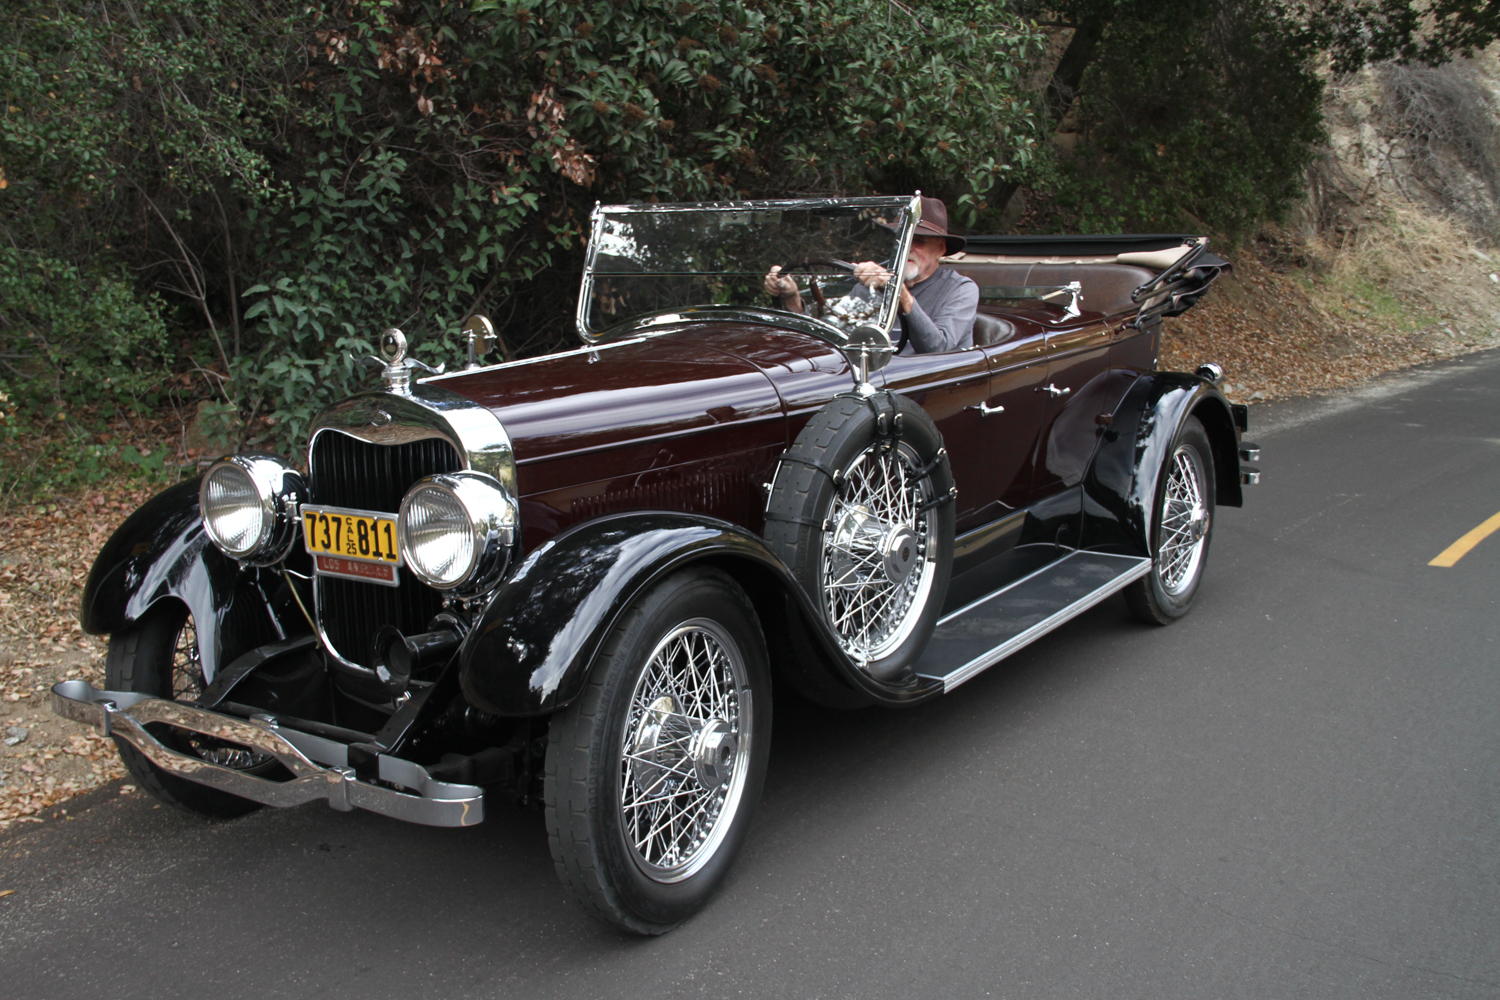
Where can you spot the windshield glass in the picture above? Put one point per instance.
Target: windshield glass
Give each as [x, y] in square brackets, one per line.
[658, 260]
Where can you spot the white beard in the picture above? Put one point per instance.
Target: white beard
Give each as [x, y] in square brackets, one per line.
[911, 272]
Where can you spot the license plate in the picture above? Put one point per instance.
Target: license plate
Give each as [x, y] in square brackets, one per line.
[358, 535]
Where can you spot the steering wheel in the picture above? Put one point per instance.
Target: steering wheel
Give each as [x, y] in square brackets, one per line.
[819, 299]
[835, 262]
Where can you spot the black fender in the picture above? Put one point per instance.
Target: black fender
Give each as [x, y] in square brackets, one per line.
[1120, 486]
[161, 552]
[534, 646]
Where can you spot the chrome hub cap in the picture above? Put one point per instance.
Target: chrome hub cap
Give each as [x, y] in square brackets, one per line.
[1185, 521]
[686, 742]
[879, 552]
[713, 754]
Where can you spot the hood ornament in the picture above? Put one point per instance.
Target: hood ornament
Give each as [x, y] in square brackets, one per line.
[395, 367]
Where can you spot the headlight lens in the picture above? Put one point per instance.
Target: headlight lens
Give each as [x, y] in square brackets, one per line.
[248, 504]
[437, 540]
[455, 531]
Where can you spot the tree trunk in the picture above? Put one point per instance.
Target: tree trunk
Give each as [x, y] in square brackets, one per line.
[1061, 90]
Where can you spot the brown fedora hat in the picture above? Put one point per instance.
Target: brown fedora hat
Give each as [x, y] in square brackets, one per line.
[935, 223]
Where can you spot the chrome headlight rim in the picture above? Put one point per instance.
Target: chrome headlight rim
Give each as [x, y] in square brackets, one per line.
[279, 490]
[490, 516]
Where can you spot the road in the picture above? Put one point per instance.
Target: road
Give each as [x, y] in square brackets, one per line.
[1292, 792]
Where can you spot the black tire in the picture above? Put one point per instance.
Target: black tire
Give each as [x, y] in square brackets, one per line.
[805, 497]
[598, 796]
[145, 658]
[1166, 593]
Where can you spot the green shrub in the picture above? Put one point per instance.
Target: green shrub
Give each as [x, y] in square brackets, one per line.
[70, 338]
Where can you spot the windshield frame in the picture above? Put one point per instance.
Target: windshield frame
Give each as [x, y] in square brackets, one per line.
[874, 337]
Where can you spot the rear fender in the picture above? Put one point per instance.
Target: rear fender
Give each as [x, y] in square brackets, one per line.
[535, 644]
[160, 553]
[1119, 490]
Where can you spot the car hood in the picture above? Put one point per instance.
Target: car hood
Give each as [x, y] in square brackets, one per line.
[735, 383]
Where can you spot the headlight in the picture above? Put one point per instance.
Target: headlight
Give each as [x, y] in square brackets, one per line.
[249, 507]
[455, 531]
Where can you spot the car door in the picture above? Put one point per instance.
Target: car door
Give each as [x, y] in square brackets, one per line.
[1017, 409]
[951, 387]
[1081, 391]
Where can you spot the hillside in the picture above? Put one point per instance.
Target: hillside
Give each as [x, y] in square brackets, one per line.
[1391, 261]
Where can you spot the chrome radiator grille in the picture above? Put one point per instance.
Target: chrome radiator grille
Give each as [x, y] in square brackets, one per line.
[347, 472]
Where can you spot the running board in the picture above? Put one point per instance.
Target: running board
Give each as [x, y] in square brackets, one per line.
[978, 636]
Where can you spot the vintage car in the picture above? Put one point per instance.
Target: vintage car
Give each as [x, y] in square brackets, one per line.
[573, 580]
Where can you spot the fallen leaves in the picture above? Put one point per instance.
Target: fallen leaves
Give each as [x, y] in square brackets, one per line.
[1278, 333]
[45, 554]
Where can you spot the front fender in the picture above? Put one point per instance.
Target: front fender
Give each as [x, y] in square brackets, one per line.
[1119, 490]
[533, 648]
[161, 551]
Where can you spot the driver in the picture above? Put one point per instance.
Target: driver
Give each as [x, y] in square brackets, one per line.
[937, 306]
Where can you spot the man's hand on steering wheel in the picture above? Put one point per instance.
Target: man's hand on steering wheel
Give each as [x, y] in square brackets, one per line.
[783, 289]
[873, 275]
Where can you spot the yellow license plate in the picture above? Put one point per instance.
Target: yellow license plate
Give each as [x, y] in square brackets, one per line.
[353, 534]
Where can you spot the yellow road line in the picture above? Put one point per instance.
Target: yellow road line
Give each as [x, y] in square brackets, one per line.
[1460, 548]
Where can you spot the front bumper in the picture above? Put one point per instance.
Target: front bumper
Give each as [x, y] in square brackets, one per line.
[125, 715]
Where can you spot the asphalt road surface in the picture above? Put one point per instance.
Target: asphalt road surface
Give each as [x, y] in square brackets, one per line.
[1290, 793]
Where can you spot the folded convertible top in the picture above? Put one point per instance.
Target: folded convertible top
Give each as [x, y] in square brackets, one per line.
[1089, 246]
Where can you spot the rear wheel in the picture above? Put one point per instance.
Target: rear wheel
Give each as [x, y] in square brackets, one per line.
[1181, 528]
[158, 655]
[653, 771]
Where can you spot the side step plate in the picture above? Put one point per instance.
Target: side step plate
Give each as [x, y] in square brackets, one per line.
[977, 637]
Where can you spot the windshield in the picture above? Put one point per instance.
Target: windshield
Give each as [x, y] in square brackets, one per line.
[651, 263]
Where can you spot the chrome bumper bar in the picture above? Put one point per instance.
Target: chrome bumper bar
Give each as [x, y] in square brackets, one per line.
[125, 715]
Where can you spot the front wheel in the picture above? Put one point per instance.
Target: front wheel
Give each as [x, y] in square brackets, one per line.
[158, 655]
[1181, 528]
[653, 771]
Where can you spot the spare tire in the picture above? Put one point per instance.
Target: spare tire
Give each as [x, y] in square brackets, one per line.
[861, 511]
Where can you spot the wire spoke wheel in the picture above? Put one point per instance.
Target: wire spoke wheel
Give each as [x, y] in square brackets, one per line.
[187, 685]
[1184, 524]
[654, 768]
[1181, 530]
[879, 544]
[157, 655]
[685, 748]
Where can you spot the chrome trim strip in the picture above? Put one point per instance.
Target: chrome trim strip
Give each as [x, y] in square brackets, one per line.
[759, 205]
[125, 715]
[592, 348]
[993, 656]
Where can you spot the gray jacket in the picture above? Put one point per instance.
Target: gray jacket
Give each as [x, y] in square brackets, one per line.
[942, 319]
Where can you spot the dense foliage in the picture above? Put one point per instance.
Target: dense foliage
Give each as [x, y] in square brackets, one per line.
[226, 200]
[1175, 123]
[294, 178]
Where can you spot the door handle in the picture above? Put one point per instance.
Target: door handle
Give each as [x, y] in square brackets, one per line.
[986, 410]
[1053, 390]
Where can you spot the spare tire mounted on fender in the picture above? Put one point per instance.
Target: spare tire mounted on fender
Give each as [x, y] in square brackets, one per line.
[861, 511]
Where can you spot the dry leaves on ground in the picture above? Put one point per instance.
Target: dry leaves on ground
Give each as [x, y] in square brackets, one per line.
[45, 555]
[1410, 293]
